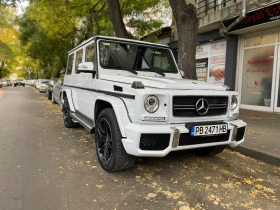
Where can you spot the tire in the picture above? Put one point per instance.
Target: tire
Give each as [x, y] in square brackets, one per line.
[109, 148]
[68, 122]
[49, 95]
[209, 151]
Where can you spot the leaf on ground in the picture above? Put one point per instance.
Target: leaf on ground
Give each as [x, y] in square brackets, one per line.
[184, 208]
[248, 181]
[258, 186]
[269, 190]
[152, 195]
[154, 184]
[99, 186]
[259, 180]
[207, 177]
[253, 195]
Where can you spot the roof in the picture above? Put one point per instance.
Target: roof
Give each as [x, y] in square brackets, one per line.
[118, 39]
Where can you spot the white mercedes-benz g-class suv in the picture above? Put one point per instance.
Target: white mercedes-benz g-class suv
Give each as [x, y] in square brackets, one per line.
[133, 97]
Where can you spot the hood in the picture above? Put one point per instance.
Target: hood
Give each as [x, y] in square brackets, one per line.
[167, 83]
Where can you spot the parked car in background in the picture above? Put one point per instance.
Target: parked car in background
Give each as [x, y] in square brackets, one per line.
[19, 83]
[0, 83]
[9, 83]
[40, 81]
[56, 92]
[50, 88]
[4, 83]
[43, 86]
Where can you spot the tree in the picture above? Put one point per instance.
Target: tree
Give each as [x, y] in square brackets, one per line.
[119, 9]
[187, 24]
[116, 17]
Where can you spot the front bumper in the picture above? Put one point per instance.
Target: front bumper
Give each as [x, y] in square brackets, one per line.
[159, 140]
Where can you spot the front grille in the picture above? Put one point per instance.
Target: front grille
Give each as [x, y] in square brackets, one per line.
[240, 133]
[186, 139]
[154, 141]
[185, 106]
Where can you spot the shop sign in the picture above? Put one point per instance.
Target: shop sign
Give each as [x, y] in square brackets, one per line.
[201, 69]
[202, 50]
[257, 17]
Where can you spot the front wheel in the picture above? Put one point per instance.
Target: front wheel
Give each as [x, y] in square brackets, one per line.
[209, 151]
[109, 148]
[68, 121]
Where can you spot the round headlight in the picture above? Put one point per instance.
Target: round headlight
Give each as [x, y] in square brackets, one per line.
[151, 104]
[234, 102]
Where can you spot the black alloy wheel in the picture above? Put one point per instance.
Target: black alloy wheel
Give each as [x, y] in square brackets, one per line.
[108, 141]
[68, 121]
[105, 140]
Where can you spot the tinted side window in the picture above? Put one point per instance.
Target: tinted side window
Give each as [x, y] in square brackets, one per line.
[90, 54]
[79, 59]
[70, 64]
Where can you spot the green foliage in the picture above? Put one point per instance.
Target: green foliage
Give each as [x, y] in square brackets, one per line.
[4, 71]
[49, 29]
[144, 27]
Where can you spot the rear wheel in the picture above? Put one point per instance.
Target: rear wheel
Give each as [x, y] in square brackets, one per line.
[49, 95]
[209, 151]
[68, 121]
[109, 148]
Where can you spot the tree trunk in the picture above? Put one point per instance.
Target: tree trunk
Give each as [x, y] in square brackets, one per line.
[187, 25]
[117, 20]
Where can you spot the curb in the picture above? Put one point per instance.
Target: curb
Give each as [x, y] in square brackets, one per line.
[258, 155]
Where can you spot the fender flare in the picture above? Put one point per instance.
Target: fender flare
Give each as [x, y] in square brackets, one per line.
[120, 110]
[68, 94]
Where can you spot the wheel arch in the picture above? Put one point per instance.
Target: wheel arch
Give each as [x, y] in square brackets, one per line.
[67, 93]
[119, 108]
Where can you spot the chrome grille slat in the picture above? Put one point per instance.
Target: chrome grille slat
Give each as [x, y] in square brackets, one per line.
[185, 106]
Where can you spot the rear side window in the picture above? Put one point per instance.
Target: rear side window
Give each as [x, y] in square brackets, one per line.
[70, 64]
[90, 53]
[79, 59]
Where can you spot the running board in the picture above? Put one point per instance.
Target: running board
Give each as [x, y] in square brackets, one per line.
[83, 120]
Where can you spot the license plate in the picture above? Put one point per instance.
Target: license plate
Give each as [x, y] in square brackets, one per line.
[207, 130]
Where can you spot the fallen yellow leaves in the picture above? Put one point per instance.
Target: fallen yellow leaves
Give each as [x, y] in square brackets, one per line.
[248, 181]
[253, 195]
[258, 186]
[207, 177]
[99, 186]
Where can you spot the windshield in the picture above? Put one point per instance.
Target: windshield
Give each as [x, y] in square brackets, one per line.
[134, 57]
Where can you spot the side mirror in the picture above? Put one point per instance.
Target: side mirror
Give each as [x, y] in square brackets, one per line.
[86, 67]
[182, 73]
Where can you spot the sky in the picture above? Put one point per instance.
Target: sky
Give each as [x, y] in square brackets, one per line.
[21, 7]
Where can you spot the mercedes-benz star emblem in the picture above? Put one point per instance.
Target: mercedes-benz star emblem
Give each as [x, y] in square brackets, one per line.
[202, 106]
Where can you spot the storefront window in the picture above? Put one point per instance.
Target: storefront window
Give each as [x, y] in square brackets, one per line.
[261, 40]
[257, 76]
[210, 62]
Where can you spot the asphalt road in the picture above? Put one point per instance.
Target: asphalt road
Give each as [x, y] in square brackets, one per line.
[46, 166]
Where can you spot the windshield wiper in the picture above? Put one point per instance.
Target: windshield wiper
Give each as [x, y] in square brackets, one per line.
[156, 70]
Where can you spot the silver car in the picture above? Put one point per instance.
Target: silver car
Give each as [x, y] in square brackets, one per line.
[56, 92]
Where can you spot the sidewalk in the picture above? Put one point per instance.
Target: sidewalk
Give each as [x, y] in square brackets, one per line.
[262, 139]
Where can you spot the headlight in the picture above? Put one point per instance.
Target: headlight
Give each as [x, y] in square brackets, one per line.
[151, 104]
[234, 102]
